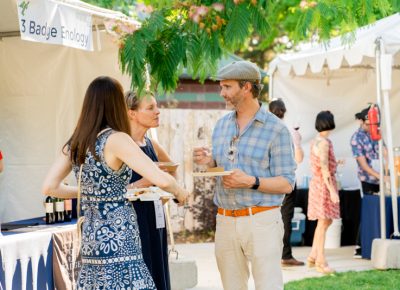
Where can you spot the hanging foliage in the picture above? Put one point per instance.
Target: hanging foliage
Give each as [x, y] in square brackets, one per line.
[189, 34]
[195, 34]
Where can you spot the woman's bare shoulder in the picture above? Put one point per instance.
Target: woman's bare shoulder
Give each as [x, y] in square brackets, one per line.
[118, 138]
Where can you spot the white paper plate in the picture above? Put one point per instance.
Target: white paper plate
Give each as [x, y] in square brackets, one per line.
[210, 174]
[149, 194]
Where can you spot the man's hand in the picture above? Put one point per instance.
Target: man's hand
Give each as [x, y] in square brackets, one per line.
[238, 179]
[202, 155]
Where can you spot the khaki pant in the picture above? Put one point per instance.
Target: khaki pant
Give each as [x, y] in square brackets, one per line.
[256, 239]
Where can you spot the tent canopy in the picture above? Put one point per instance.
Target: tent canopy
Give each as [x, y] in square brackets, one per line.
[340, 78]
[350, 50]
[41, 91]
[9, 14]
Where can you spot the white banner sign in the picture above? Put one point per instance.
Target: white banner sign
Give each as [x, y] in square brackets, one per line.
[51, 22]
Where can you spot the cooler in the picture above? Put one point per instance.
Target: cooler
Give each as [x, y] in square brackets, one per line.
[298, 227]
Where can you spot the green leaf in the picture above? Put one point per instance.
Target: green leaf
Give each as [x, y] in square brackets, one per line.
[132, 59]
[237, 29]
[169, 39]
[259, 20]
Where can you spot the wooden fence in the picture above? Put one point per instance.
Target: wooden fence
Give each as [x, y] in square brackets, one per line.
[180, 131]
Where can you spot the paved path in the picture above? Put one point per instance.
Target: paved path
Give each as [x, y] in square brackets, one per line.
[208, 276]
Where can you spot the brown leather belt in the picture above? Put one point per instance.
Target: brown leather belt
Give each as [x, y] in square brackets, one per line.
[244, 211]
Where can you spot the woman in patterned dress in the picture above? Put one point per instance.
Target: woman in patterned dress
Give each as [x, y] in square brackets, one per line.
[110, 245]
[144, 114]
[323, 197]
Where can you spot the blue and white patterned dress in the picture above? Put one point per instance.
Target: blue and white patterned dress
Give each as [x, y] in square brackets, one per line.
[110, 246]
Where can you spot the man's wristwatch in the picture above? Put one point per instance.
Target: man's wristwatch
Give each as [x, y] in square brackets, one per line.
[256, 184]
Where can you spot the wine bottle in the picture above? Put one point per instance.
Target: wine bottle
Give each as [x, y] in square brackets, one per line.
[54, 208]
[67, 210]
[49, 210]
[59, 210]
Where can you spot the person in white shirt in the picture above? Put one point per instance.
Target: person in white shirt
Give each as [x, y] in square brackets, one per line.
[278, 108]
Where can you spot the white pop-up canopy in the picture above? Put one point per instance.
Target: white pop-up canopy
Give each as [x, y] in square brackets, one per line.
[41, 92]
[9, 25]
[343, 77]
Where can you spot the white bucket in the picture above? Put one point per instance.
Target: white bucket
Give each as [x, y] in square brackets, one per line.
[333, 234]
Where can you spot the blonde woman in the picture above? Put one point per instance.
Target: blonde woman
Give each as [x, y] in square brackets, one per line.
[144, 114]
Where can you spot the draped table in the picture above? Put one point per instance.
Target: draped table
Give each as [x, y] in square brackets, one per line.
[26, 256]
[350, 207]
[370, 221]
[26, 261]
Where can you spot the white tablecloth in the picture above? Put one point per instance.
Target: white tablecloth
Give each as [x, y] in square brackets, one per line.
[26, 259]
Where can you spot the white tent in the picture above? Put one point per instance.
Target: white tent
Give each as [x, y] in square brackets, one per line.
[343, 78]
[41, 91]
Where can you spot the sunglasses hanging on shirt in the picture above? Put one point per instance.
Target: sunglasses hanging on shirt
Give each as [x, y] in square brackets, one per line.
[232, 148]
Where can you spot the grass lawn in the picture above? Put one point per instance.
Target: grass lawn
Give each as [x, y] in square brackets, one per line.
[371, 280]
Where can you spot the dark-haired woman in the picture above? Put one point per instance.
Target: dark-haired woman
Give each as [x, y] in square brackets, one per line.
[110, 244]
[323, 197]
[144, 114]
[278, 108]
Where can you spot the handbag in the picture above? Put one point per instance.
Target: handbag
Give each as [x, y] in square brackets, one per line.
[67, 260]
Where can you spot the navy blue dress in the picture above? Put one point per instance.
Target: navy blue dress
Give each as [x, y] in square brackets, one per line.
[154, 241]
[110, 245]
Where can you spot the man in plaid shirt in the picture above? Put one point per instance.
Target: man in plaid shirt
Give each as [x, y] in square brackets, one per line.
[257, 147]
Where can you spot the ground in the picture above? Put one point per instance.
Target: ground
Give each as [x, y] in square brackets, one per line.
[340, 259]
[198, 236]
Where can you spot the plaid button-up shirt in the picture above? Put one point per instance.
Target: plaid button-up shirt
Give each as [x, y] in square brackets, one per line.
[263, 149]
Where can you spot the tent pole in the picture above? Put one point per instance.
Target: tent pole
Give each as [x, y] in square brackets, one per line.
[378, 52]
[386, 84]
[391, 162]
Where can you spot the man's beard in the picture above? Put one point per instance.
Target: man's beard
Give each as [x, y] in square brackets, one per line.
[229, 106]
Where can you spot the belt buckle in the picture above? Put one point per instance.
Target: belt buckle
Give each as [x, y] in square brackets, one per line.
[237, 212]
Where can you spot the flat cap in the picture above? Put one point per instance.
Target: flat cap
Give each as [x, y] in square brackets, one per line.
[240, 70]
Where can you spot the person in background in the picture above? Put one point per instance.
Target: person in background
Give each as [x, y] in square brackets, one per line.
[278, 108]
[1, 162]
[323, 196]
[144, 114]
[102, 155]
[257, 147]
[366, 152]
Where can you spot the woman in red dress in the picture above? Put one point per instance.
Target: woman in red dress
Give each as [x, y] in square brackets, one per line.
[323, 197]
